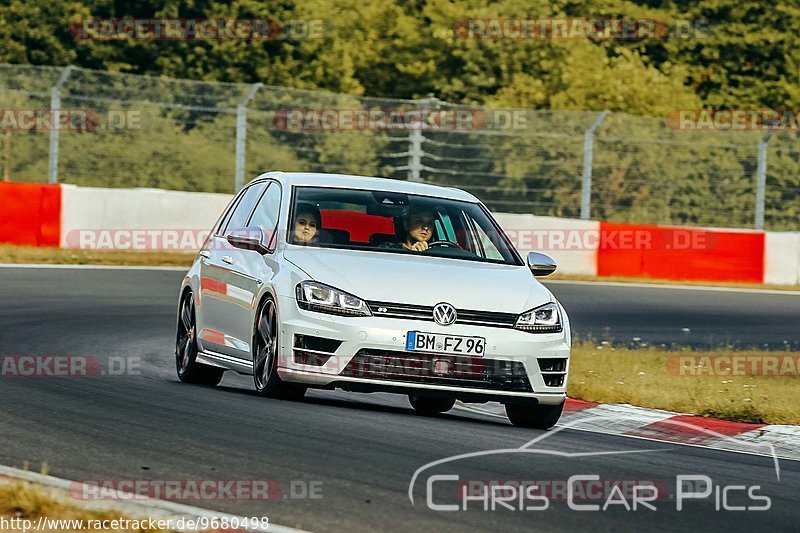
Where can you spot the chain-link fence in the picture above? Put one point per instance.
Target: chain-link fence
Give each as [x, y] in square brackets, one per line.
[108, 129]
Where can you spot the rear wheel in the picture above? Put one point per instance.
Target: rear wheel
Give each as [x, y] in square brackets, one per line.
[534, 415]
[265, 357]
[189, 370]
[426, 405]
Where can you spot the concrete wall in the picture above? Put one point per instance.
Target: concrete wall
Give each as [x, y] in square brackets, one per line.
[782, 258]
[572, 243]
[100, 218]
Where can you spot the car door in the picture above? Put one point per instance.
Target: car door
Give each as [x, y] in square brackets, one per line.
[246, 274]
[217, 258]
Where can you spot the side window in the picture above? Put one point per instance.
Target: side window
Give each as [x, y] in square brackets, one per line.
[489, 250]
[444, 226]
[223, 222]
[241, 213]
[266, 214]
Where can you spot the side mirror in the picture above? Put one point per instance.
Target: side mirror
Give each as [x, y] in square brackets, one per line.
[541, 264]
[248, 239]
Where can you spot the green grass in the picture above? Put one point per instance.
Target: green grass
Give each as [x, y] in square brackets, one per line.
[651, 377]
[30, 254]
[20, 499]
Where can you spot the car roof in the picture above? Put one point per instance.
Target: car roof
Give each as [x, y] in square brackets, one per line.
[344, 181]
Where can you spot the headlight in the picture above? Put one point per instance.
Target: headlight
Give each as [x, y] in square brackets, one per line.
[313, 296]
[543, 319]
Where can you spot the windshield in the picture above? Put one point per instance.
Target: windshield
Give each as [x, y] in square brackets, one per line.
[396, 223]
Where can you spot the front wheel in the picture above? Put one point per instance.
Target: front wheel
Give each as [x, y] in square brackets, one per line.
[426, 405]
[265, 357]
[189, 370]
[536, 416]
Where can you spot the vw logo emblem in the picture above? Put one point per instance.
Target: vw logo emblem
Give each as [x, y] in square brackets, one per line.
[444, 314]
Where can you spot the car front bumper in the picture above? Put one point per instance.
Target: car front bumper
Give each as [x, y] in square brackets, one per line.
[511, 356]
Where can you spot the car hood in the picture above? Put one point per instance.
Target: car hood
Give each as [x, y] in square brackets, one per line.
[423, 280]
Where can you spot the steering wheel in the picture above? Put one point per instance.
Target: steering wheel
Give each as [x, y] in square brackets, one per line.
[444, 244]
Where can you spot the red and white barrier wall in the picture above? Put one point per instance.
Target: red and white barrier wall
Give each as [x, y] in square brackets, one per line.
[154, 219]
[30, 214]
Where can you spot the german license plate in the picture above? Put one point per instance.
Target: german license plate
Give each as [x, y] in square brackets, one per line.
[417, 341]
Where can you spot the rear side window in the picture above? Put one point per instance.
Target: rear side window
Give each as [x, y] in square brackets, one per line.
[266, 214]
[223, 222]
[241, 213]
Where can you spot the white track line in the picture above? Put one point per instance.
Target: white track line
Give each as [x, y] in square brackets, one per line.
[139, 506]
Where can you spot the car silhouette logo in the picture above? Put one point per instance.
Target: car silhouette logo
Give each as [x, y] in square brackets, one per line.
[444, 314]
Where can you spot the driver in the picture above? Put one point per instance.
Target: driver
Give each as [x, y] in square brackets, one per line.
[418, 225]
[307, 223]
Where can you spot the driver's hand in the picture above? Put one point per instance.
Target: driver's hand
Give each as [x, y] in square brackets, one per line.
[419, 246]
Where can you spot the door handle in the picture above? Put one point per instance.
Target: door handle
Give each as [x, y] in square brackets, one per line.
[228, 260]
[205, 254]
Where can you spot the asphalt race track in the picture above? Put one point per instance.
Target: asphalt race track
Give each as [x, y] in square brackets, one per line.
[360, 451]
[682, 315]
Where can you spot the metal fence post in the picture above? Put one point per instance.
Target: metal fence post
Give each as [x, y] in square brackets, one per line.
[55, 105]
[415, 153]
[588, 155]
[241, 135]
[415, 138]
[761, 179]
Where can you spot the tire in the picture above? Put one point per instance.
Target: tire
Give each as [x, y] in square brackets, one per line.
[265, 356]
[536, 416]
[189, 370]
[428, 406]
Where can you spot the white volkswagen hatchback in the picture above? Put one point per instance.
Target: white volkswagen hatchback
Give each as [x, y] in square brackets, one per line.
[367, 284]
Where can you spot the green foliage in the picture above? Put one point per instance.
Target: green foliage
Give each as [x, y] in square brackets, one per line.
[747, 56]
[744, 55]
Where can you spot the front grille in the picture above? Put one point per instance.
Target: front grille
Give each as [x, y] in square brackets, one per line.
[449, 370]
[424, 312]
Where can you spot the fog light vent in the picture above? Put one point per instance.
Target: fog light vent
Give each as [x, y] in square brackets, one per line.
[553, 365]
[553, 380]
[314, 351]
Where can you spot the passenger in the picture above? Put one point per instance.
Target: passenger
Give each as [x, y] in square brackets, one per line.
[307, 224]
[418, 225]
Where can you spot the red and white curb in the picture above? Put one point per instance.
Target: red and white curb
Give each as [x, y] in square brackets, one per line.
[137, 508]
[654, 424]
